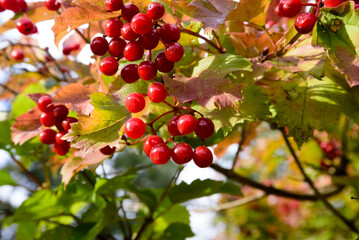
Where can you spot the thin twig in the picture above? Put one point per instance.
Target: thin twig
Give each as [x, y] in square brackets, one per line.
[8, 89]
[349, 224]
[240, 146]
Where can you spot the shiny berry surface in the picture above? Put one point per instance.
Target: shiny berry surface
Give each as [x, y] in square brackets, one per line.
[66, 123]
[47, 119]
[186, 124]
[127, 32]
[332, 3]
[60, 112]
[157, 92]
[174, 52]
[160, 154]
[128, 11]
[44, 102]
[113, 27]
[17, 54]
[108, 150]
[109, 66]
[21, 6]
[58, 137]
[155, 10]
[114, 5]
[99, 46]
[47, 136]
[147, 70]
[62, 149]
[205, 128]
[135, 102]
[304, 22]
[182, 153]
[133, 51]
[135, 128]
[162, 63]
[116, 47]
[202, 157]
[141, 23]
[170, 33]
[290, 8]
[150, 40]
[52, 5]
[172, 126]
[25, 26]
[129, 73]
[9, 5]
[150, 143]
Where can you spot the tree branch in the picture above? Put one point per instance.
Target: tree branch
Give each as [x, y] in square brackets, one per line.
[271, 190]
[321, 197]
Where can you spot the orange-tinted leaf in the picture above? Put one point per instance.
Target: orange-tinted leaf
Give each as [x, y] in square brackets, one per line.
[26, 126]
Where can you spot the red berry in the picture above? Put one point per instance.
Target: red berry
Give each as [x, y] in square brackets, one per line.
[133, 51]
[47, 119]
[304, 23]
[21, 6]
[135, 102]
[34, 30]
[24, 26]
[160, 154]
[147, 70]
[47, 136]
[109, 66]
[9, 5]
[202, 157]
[170, 33]
[58, 137]
[150, 40]
[174, 52]
[62, 149]
[75, 46]
[17, 54]
[127, 32]
[113, 27]
[186, 124]
[150, 143]
[99, 46]
[60, 112]
[290, 8]
[44, 102]
[277, 11]
[108, 150]
[1, 8]
[205, 128]
[172, 126]
[157, 92]
[162, 63]
[114, 5]
[66, 123]
[141, 23]
[155, 10]
[66, 50]
[135, 128]
[182, 153]
[128, 11]
[116, 47]
[129, 73]
[333, 3]
[52, 5]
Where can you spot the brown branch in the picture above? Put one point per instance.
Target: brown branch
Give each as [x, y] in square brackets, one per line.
[240, 146]
[8, 89]
[271, 190]
[25, 171]
[319, 195]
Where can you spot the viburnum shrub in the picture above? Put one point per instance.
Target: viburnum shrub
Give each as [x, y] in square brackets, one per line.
[260, 95]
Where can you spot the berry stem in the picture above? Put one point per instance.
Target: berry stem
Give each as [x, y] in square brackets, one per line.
[162, 115]
[168, 104]
[192, 110]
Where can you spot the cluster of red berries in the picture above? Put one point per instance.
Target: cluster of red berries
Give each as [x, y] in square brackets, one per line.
[55, 115]
[132, 36]
[24, 25]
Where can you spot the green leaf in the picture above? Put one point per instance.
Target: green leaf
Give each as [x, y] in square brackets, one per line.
[102, 127]
[177, 231]
[253, 11]
[5, 133]
[26, 231]
[6, 179]
[337, 31]
[198, 188]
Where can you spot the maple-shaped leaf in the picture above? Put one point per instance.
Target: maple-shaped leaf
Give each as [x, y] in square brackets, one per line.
[212, 13]
[253, 11]
[208, 85]
[77, 95]
[337, 30]
[102, 126]
[26, 126]
[78, 13]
